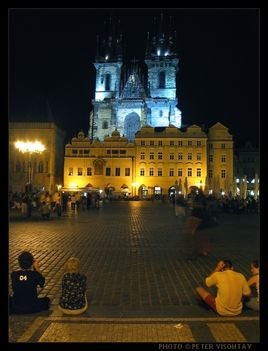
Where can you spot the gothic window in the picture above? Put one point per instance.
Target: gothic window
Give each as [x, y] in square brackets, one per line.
[162, 80]
[107, 81]
[105, 125]
[160, 113]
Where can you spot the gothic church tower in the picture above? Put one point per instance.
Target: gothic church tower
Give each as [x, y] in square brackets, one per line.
[131, 102]
[162, 62]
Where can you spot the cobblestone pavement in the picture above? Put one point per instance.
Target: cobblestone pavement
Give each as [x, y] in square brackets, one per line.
[135, 258]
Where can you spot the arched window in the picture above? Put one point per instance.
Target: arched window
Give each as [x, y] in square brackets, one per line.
[107, 81]
[105, 125]
[162, 80]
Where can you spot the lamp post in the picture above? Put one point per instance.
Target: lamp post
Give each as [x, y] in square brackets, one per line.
[29, 147]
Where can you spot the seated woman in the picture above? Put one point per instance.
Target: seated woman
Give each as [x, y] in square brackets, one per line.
[253, 302]
[73, 296]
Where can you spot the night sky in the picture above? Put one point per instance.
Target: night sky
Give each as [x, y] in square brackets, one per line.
[51, 54]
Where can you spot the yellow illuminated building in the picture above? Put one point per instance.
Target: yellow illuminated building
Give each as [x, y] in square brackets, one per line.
[159, 160]
[45, 168]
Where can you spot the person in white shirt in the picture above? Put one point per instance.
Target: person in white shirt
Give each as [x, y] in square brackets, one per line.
[231, 287]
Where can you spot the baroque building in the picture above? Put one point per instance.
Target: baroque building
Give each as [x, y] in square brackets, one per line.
[127, 99]
[159, 160]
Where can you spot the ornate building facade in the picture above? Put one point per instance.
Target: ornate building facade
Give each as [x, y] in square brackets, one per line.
[128, 99]
[159, 160]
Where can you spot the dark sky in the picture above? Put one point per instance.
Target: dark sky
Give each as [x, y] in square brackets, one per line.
[51, 52]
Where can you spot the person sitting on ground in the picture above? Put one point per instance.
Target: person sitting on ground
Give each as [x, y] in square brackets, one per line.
[253, 301]
[231, 285]
[73, 296]
[24, 285]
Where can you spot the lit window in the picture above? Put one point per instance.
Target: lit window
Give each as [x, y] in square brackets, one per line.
[160, 155]
[171, 172]
[80, 171]
[71, 171]
[142, 172]
[151, 171]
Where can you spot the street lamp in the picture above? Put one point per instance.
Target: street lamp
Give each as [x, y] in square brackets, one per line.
[29, 147]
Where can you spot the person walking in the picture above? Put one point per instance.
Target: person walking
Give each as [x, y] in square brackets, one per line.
[231, 287]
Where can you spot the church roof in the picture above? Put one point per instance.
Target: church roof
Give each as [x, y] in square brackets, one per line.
[133, 88]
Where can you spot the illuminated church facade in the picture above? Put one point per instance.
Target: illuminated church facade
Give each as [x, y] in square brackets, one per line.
[128, 99]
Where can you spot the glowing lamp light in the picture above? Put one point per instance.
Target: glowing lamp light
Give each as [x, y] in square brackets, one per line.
[29, 146]
[106, 57]
[158, 52]
[166, 53]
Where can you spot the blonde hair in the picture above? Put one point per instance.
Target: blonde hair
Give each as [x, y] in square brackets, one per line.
[72, 265]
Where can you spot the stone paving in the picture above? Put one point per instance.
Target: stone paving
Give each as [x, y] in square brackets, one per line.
[135, 258]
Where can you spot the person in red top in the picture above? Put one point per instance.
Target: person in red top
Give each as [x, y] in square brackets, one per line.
[24, 284]
[231, 285]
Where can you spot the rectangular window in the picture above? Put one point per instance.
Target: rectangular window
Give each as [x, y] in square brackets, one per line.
[108, 152]
[117, 172]
[210, 158]
[71, 171]
[180, 156]
[223, 146]
[160, 143]
[89, 171]
[223, 173]
[171, 172]
[180, 143]
[142, 155]
[127, 172]
[210, 173]
[142, 142]
[171, 156]
[80, 152]
[198, 172]
[142, 172]
[198, 156]
[190, 143]
[86, 152]
[151, 155]
[189, 172]
[179, 172]
[123, 152]
[108, 171]
[198, 143]
[190, 156]
[151, 171]
[171, 142]
[151, 142]
[79, 171]
[74, 152]
[159, 172]
[223, 158]
[115, 152]
[160, 156]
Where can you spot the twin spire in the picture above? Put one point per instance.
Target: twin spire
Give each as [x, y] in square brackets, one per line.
[162, 42]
